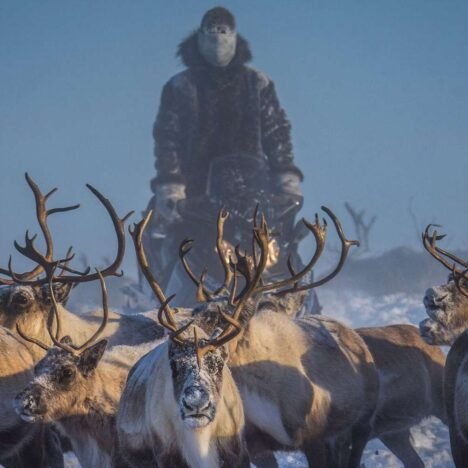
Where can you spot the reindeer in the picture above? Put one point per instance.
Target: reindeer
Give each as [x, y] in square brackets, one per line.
[411, 386]
[181, 406]
[447, 304]
[447, 308]
[408, 368]
[25, 298]
[78, 388]
[21, 444]
[25, 302]
[303, 382]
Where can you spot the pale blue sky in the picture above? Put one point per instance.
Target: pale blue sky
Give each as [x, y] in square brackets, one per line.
[377, 92]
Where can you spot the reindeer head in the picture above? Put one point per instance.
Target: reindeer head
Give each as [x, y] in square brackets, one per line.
[24, 297]
[60, 383]
[19, 303]
[198, 371]
[198, 361]
[198, 364]
[62, 377]
[447, 304]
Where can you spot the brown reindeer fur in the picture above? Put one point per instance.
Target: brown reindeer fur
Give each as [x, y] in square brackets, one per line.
[121, 329]
[86, 412]
[411, 385]
[21, 444]
[411, 381]
[304, 381]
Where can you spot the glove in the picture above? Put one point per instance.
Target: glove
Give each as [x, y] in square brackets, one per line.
[288, 183]
[166, 199]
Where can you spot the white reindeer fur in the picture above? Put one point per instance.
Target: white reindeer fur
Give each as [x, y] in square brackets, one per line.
[148, 412]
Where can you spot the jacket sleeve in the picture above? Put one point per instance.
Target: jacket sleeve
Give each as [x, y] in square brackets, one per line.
[276, 133]
[168, 137]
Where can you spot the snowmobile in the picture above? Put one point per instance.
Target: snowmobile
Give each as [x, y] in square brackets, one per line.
[240, 186]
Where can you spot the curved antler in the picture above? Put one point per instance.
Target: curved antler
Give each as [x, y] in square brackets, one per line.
[320, 232]
[54, 313]
[46, 263]
[105, 315]
[31, 339]
[430, 244]
[42, 214]
[203, 294]
[166, 314]
[346, 244]
[168, 321]
[261, 238]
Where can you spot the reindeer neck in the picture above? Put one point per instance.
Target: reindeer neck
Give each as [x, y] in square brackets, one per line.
[229, 422]
[91, 425]
[92, 437]
[106, 384]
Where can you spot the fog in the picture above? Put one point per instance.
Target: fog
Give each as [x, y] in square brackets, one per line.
[377, 93]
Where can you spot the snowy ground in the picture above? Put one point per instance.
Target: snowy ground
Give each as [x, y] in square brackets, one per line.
[430, 437]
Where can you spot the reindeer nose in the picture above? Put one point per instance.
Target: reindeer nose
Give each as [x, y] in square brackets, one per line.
[196, 398]
[30, 402]
[425, 327]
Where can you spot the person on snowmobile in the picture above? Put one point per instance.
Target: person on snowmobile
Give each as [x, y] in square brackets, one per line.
[220, 134]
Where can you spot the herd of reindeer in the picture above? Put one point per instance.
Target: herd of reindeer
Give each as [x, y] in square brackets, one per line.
[224, 383]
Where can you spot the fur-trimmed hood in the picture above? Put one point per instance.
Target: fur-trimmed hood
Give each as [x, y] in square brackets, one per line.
[191, 57]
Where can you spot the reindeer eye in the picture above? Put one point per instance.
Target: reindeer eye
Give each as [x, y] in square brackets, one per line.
[214, 364]
[67, 375]
[20, 299]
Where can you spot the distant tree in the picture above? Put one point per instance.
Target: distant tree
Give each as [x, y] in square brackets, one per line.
[361, 228]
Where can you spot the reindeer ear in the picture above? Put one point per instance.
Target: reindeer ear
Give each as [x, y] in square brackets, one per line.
[90, 357]
[66, 340]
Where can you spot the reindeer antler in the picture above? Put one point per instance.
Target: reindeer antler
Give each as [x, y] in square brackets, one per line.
[166, 313]
[430, 244]
[42, 214]
[168, 321]
[252, 279]
[203, 294]
[320, 232]
[48, 265]
[246, 263]
[54, 313]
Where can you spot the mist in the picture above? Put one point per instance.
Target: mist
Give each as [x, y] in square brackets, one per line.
[377, 94]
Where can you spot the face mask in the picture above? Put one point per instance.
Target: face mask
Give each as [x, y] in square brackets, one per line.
[217, 48]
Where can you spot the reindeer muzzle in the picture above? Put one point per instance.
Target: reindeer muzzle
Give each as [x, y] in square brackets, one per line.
[434, 300]
[197, 409]
[426, 328]
[29, 405]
